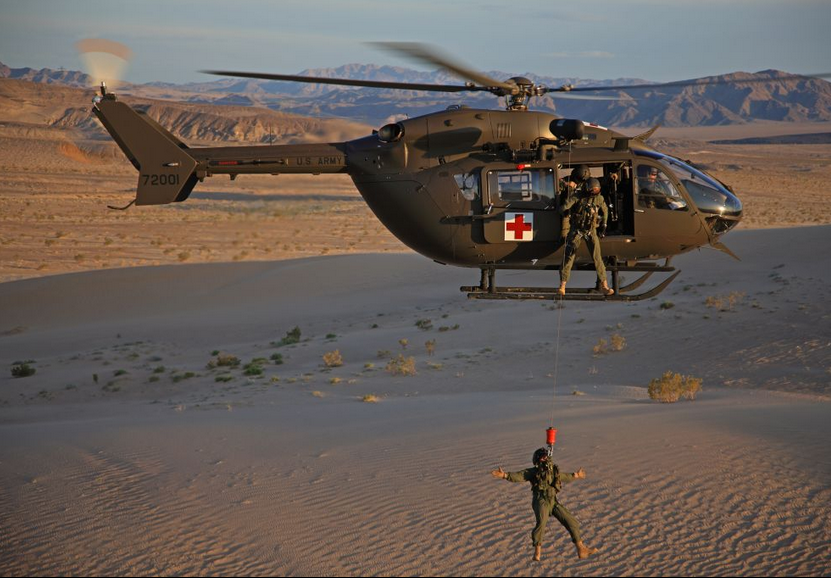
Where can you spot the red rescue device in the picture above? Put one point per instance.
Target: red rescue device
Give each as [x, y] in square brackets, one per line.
[550, 436]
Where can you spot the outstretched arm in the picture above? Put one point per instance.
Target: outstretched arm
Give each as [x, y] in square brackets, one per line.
[501, 474]
[578, 475]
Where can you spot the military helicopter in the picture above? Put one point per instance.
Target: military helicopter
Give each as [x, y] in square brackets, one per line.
[472, 187]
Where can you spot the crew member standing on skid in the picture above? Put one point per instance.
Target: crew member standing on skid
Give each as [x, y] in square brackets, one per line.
[546, 481]
[588, 214]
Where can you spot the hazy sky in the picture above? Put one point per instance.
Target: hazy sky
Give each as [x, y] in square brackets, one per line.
[653, 39]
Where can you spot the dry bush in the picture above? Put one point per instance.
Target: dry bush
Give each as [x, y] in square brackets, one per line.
[673, 386]
[616, 343]
[402, 365]
[370, 398]
[403, 343]
[333, 359]
[224, 360]
[430, 345]
[725, 302]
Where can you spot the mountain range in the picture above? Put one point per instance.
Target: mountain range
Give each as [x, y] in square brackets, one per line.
[738, 97]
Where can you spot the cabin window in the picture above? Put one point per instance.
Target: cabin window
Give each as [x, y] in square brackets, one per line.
[530, 185]
[468, 184]
[656, 191]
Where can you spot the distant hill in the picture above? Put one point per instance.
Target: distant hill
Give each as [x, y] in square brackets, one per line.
[38, 105]
[810, 138]
[743, 97]
[48, 76]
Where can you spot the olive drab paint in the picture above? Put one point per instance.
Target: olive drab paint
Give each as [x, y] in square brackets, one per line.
[443, 184]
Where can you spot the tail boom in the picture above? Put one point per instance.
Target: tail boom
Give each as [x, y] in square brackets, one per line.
[169, 169]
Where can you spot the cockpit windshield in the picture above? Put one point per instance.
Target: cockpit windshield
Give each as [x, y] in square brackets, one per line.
[709, 195]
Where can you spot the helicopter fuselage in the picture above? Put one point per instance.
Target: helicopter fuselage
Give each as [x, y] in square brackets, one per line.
[468, 187]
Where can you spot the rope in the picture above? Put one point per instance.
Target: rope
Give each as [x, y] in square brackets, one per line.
[559, 322]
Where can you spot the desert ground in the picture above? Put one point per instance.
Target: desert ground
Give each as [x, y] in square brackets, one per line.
[133, 450]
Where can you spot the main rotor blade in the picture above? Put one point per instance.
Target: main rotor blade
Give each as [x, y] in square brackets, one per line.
[350, 82]
[430, 55]
[568, 96]
[694, 82]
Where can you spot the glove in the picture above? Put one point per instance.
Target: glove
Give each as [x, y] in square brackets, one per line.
[601, 232]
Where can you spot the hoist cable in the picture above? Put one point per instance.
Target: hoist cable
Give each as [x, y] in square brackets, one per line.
[560, 306]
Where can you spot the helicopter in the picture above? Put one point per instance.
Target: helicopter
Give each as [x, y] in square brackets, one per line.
[469, 187]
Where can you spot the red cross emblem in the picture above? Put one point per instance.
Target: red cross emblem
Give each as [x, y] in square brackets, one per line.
[519, 226]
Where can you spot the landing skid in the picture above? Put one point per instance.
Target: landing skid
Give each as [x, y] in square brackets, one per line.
[487, 288]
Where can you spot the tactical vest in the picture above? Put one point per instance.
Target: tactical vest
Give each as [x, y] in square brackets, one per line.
[546, 479]
[585, 214]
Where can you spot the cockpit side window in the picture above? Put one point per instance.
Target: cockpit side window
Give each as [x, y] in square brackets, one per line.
[657, 191]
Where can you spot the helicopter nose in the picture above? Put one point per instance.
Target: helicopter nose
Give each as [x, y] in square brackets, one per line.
[728, 214]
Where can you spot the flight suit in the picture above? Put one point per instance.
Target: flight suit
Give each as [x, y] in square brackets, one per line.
[587, 212]
[565, 194]
[544, 502]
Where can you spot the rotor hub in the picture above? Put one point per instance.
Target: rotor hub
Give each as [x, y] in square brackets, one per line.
[518, 98]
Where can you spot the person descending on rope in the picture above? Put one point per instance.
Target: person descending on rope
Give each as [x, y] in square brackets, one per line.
[546, 481]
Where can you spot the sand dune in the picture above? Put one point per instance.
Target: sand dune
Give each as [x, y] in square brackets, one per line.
[288, 473]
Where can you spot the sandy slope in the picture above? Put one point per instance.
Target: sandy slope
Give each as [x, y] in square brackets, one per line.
[257, 475]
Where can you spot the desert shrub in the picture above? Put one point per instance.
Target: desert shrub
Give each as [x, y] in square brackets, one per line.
[403, 343]
[277, 358]
[227, 360]
[601, 347]
[667, 305]
[291, 337]
[617, 342]
[370, 398]
[22, 370]
[334, 380]
[671, 387]
[724, 302]
[223, 378]
[424, 324]
[430, 345]
[253, 368]
[401, 365]
[333, 359]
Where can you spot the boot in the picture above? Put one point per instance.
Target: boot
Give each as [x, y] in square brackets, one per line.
[584, 551]
[605, 289]
[537, 552]
[562, 289]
